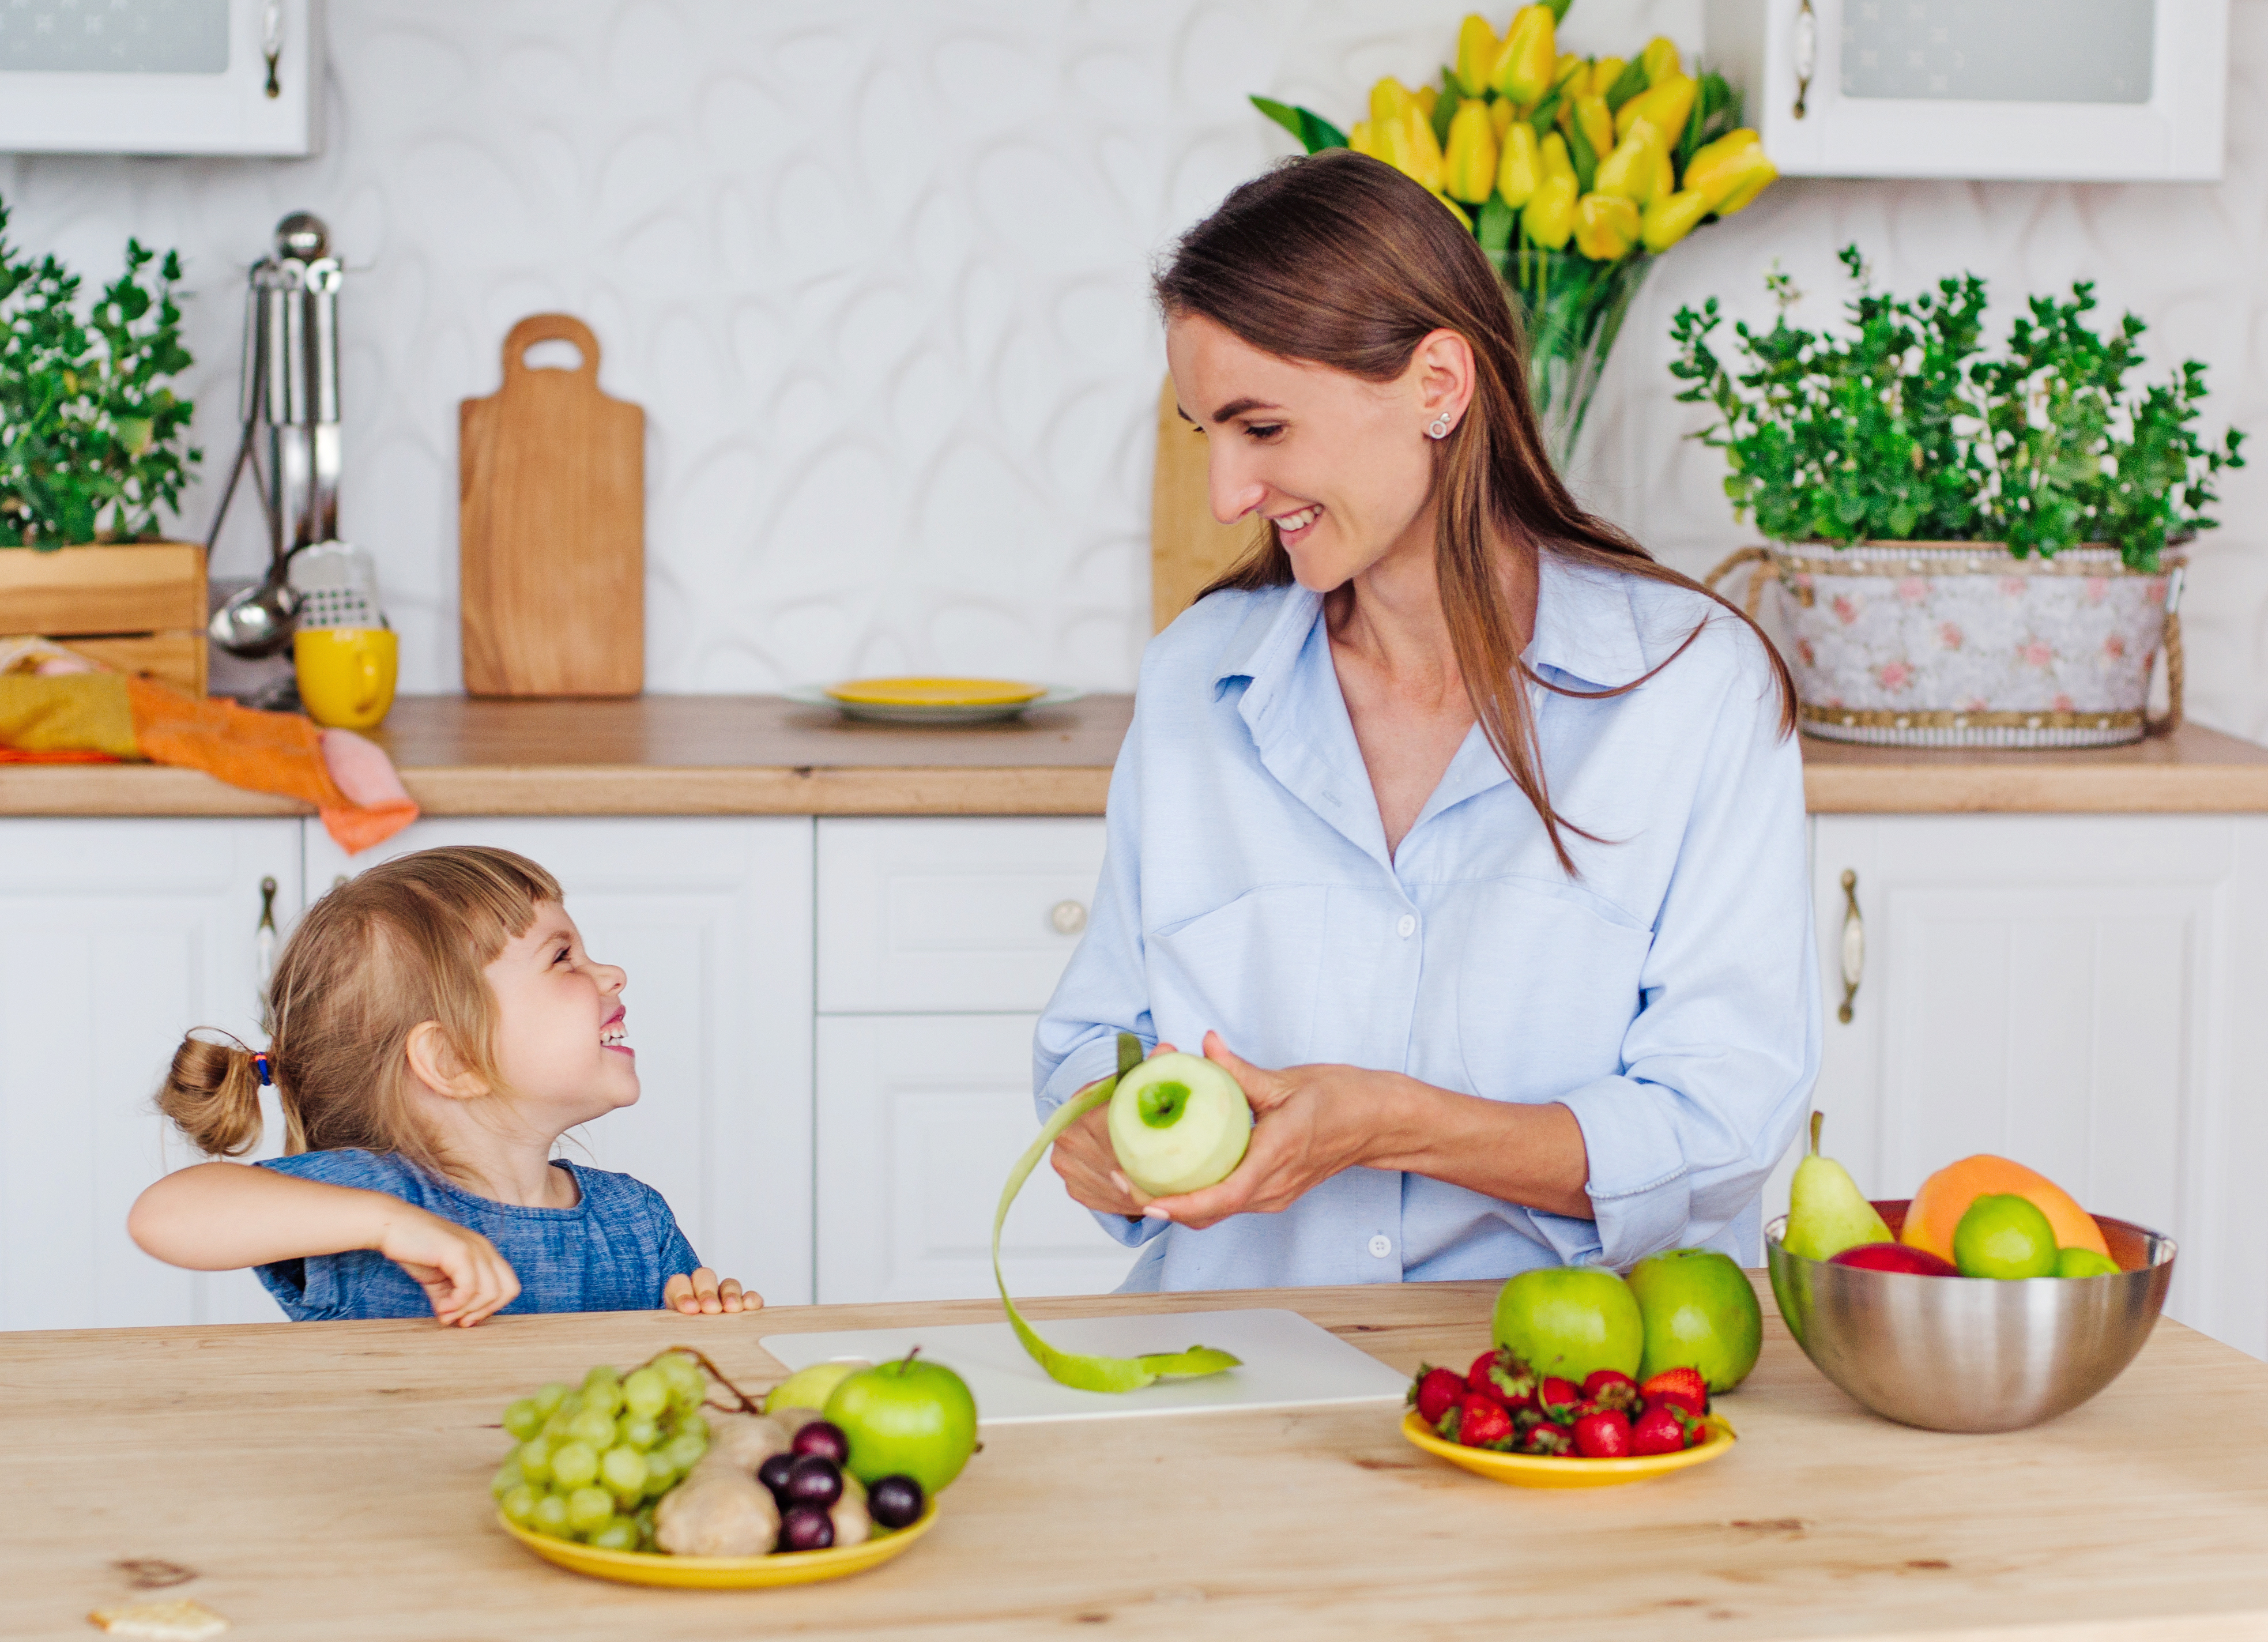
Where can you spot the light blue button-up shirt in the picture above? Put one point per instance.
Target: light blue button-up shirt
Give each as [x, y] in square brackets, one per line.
[1667, 995]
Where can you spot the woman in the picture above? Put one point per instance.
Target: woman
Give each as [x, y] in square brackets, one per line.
[1448, 802]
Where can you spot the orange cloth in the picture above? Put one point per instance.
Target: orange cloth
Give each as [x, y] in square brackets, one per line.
[265, 752]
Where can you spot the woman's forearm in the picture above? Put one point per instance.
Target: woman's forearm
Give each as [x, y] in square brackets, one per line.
[1531, 1155]
[219, 1216]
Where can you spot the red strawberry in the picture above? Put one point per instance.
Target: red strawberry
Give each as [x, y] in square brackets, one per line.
[1545, 1438]
[1611, 1388]
[1603, 1435]
[1558, 1398]
[1682, 1386]
[1477, 1377]
[1482, 1421]
[1513, 1381]
[1658, 1431]
[1434, 1392]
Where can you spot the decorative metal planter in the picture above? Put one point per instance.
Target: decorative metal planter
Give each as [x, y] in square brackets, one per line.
[1958, 644]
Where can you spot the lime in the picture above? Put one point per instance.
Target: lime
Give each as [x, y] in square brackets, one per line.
[1699, 1312]
[2003, 1235]
[2084, 1262]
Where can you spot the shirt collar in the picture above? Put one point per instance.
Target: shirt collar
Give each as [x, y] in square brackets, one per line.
[1587, 627]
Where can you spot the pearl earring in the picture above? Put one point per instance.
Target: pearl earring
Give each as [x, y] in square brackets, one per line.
[1438, 428]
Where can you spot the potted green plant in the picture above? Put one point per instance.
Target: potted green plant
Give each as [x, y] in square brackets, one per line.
[94, 451]
[1972, 549]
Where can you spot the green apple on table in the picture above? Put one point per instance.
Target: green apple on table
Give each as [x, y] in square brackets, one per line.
[906, 1418]
[1699, 1312]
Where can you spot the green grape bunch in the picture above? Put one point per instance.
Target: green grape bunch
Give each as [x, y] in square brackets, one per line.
[590, 1461]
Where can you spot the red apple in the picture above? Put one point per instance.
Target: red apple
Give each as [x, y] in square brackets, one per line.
[1894, 1257]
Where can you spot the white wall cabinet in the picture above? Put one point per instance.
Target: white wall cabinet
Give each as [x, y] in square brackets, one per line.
[2106, 91]
[2067, 990]
[116, 937]
[939, 940]
[712, 918]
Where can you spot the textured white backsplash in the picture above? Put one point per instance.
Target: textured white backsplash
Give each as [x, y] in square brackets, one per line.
[876, 269]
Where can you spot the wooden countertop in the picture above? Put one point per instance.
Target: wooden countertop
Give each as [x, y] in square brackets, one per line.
[328, 1483]
[761, 755]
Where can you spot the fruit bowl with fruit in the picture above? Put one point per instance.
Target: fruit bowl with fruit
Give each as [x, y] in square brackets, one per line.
[1988, 1301]
[649, 1479]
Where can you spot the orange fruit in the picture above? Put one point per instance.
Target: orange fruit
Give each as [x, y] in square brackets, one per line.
[1945, 1196]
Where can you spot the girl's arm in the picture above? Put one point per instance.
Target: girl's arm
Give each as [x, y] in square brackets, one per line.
[219, 1216]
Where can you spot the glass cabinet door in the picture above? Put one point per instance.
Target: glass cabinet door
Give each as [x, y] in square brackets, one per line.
[2080, 90]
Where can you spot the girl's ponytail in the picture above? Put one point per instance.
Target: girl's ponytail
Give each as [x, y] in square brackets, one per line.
[212, 1093]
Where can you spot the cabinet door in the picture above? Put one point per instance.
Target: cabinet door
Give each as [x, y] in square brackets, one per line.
[2085, 90]
[120, 936]
[2060, 989]
[920, 1118]
[711, 918]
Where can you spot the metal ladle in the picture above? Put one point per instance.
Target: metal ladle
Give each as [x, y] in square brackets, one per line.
[255, 620]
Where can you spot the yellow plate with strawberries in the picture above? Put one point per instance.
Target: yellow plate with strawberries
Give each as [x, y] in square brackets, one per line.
[1548, 1470]
[720, 1573]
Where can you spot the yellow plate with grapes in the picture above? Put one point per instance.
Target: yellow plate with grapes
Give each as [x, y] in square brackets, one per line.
[1550, 1470]
[723, 1573]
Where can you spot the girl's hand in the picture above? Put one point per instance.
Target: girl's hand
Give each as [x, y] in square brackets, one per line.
[463, 1275]
[702, 1292]
[1309, 1123]
[1082, 1155]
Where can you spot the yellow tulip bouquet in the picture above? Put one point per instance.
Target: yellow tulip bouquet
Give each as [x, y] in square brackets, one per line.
[1572, 172]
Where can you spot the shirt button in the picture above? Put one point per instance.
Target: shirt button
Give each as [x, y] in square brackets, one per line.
[1381, 1245]
[1407, 927]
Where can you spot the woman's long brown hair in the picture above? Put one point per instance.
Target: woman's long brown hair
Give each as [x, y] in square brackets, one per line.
[1341, 260]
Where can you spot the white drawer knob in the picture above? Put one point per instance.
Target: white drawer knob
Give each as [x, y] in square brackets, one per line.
[1068, 917]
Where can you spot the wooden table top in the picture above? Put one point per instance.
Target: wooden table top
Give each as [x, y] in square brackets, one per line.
[762, 755]
[328, 1483]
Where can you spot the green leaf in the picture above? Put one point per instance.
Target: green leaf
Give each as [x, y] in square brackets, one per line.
[1315, 132]
[1559, 10]
[1628, 84]
[1445, 106]
[1581, 155]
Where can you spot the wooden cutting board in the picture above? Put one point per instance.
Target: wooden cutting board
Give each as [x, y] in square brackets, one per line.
[551, 528]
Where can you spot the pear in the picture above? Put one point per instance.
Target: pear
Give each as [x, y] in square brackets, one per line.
[1827, 1213]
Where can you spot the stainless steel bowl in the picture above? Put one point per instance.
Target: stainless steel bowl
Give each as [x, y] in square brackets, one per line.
[1971, 1353]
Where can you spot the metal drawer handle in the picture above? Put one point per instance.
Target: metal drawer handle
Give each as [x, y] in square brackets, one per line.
[1807, 56]
[263, 945]
[1067, 917]
[1854, 945]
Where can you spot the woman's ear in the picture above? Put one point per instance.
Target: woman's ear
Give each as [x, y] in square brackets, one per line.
[435, 1063]
[1442, 372]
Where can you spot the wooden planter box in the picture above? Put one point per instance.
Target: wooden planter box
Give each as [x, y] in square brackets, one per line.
[137, 606]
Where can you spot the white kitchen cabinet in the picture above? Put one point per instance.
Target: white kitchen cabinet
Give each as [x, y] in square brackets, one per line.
[920, 1118]
[939, 940]
[712, 918]
[2079, 90]
[2067, 990]
[116, 937]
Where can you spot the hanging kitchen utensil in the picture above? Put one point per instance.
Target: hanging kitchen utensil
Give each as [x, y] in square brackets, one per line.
[551, 531]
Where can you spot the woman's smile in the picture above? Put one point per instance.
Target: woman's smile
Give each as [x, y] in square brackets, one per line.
[1290, 528]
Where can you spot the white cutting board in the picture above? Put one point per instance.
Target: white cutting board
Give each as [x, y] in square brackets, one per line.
[1288, 1363]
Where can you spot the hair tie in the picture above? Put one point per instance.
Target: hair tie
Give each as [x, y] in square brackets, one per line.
[260, 1065]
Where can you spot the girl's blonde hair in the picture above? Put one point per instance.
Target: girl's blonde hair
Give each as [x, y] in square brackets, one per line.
[403, 944]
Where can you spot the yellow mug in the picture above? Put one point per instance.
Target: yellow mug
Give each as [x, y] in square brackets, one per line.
[346, 673]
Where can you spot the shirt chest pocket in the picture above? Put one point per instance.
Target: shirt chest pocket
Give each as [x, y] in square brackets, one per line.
[1547, 983]
[1246, 969]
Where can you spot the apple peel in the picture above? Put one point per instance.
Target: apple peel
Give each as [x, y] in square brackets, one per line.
[1080, 1372]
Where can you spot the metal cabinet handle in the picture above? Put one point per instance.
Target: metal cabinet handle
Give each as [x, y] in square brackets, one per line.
[1807, 54]
[1067, 917]
[263, 945]
[1854, 945]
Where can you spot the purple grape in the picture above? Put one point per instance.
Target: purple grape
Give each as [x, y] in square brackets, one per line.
[805, 1527]
[812, 1480]
[819, 1438]
[773, 1475]
[894, 1501]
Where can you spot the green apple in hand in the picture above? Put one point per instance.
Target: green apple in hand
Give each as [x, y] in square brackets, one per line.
[1178, 1122]
[906, 1418]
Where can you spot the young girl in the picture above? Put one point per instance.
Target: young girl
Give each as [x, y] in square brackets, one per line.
[437, 1027]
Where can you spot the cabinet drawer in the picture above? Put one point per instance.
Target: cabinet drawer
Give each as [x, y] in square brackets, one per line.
[948, 913]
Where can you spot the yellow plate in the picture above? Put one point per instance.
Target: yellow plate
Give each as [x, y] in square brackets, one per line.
[718, 1573]
[936, 692]
[1544, 1470]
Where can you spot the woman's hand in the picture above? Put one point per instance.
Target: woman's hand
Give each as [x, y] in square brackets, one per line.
[463, 1275]
[1083, 1156]
[702, 1292]
[1309, 1123]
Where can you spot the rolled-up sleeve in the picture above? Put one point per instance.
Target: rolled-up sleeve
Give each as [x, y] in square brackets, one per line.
[1720, 1060]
